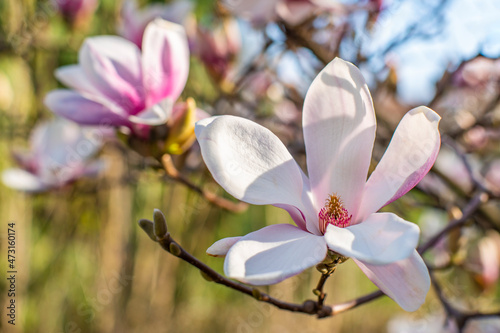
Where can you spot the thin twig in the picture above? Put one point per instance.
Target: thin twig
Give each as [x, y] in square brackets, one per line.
[472, 206]
[308, 307]
[213, 198]
[460, 317]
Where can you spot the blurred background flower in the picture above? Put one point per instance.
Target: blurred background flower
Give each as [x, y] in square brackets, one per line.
[134, 19]
[60, 153]
[118, 85]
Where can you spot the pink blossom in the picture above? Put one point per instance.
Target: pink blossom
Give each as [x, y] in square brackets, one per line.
[135, 20]
[117, 84]
[292, 11]
[61, 152]
[493, 176]
[218, 48]
[489, 260]
[478, 72]
[334, 207]
[76, 11]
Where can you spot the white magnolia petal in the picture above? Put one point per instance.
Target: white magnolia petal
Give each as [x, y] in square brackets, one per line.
[22, 180]
[407, 281]
[411, 153]
[156, 115]
[251, 163]
[381, 239]
[222, 246]
[339, 131]
[273, 253]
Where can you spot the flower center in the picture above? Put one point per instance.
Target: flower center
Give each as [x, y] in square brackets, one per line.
[333, 213]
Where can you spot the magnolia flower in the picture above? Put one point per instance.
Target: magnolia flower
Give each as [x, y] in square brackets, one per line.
[334, 207]
[114, 83]
[135, 20]
[60, 153]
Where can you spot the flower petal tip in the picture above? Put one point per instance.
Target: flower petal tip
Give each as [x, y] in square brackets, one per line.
[430, 114]
[222, 246]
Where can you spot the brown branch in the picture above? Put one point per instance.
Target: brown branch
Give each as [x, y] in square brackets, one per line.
[158, 232]
[303, 38]
[471, 207]
[213, 198]
[460, 317]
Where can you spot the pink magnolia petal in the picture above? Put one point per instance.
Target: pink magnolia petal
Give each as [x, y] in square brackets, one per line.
[406, 282]
[294, 12]
[257, 11]
[22, 180]
[74, 77]
[339, 131]
[222, 246]
[252, 164]
[273, 253]
[411, 153]
[296, 215]
[113, 65]
[76, 107]
[381, 239]
[165, 59]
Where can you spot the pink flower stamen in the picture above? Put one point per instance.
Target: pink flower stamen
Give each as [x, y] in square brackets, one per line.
[333, 213]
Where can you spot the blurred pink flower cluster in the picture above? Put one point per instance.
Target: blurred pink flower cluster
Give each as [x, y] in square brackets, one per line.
[76, 12]
[60, 152]
[292, 11]
[134, 19]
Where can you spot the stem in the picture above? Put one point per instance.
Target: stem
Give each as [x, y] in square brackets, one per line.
[327, 268]
[213, 198]
[308, 307]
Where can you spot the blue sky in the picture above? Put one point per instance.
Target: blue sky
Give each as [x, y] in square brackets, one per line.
[468, 27]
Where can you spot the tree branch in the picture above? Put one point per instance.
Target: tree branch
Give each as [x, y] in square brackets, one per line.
[213, 198]
[473, 205]
[158, 232]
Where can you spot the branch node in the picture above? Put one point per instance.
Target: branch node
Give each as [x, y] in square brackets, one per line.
[309, 306]
[324, 312]
[256, 294]
[174, 249]
[206, 276]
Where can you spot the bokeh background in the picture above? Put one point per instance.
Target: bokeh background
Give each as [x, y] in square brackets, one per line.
[83, 263]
